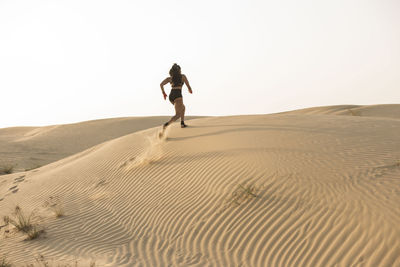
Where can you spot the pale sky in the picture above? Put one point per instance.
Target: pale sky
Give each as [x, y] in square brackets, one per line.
[76, 60]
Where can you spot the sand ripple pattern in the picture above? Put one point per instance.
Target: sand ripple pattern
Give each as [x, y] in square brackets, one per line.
[323, 191]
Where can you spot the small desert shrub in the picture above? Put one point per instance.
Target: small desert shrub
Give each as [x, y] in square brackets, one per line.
[6, 169]
[23, 223]
[58, 211]
[6, 219]
[4, 262]
[34, 233]
[243, 193]
[54, 203]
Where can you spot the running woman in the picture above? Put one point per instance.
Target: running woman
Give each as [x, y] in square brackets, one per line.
[176, 79]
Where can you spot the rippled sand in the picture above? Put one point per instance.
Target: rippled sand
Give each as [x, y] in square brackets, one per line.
[315, 187]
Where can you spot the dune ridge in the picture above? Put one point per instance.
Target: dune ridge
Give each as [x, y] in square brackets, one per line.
[389, 111]
[323, 190]
[31, 147]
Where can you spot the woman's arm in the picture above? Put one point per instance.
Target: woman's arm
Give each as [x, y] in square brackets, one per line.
[166, 80]
[185, 80]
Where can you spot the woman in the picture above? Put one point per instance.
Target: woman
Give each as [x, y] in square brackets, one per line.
[176, 79]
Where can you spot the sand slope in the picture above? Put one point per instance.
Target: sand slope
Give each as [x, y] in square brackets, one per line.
[327, 194]
[379, 111]
[30, 147]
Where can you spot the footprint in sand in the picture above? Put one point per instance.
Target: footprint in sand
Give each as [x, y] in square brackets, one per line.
[126, 162]
[1, 199]
[101, 183]
[12, 188]
[19, 179]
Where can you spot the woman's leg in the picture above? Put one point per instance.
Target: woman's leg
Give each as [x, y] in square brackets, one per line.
[183, 112]
[179, 107]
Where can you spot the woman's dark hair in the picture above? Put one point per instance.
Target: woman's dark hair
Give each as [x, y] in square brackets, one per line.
[175, 73]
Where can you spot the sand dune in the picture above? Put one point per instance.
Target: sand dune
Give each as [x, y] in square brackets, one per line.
[382, 111]
[292, 189]
[30, 147]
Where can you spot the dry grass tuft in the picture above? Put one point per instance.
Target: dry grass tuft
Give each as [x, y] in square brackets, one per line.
[55, 205]
[243, 193]
[34, 233]
[5, 263]
[59, 211]
[23, 223]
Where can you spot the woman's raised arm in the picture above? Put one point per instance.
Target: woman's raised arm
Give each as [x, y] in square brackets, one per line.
[185, 80]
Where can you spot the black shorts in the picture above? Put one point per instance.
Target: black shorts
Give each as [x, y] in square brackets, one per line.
[175, 93]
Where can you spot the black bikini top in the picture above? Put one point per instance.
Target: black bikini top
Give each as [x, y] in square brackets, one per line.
[177, 85]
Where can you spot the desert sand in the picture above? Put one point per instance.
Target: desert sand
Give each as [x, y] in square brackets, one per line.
[31, 147]
[312, 187]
